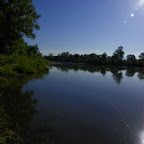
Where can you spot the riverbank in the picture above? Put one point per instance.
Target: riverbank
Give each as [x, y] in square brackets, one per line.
[97, 65]
[14, 65]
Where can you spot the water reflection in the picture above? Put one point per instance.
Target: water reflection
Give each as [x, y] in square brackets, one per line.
[19, 108]
[117, 72]
[86, 104]
[118, 77]
[141, 76]
[130, 72]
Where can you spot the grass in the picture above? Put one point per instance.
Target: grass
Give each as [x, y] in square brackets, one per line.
[7, 135]
[12, 65]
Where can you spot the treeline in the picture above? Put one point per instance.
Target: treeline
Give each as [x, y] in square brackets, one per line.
[116, 59]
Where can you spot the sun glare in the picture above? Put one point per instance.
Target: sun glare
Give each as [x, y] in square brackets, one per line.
[141, 138]
[141, 2]
[132, 15]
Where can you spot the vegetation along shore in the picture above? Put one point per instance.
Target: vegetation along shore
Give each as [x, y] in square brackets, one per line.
[18, 20]
[117, 59]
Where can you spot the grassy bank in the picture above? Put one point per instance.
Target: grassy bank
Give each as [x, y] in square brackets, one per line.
[12, 65]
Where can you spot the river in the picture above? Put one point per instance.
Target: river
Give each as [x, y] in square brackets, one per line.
[80, 104]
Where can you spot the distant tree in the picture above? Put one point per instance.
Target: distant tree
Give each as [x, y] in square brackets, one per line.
[92, 55]
[119, 53]
[141, 56]
[131, 58]
[50, 55]
[94, 59]
[104, 56]
[76, 58]
[18, 18]
[64, 54]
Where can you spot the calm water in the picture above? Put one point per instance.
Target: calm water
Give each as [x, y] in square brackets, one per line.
[85, 104]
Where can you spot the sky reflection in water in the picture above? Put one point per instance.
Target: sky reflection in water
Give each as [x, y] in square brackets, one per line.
[86, 104]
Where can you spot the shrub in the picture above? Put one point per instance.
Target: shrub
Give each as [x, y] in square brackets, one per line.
[11, 65]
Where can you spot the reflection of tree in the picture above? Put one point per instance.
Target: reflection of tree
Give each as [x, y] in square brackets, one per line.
[103, 71]
[141, 75]
[19, 107]
[76, 67]
[130, 72]
[118, 76]
[63, 69]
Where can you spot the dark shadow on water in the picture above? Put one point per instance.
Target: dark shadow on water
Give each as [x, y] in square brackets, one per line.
[118, 77]
[20, 107]
[130, 72]
[141, 76]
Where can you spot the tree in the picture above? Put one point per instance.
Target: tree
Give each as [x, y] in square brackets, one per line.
[131, 58]
[119, 53]
[33, 50]
[141, 56]
[104, 57]
[18, 18]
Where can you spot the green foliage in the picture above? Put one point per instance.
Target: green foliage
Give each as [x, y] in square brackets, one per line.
[94, 59]
[16, 108]
[104, 57]
[11, 65]
[21, 47]
[131, 59]
[7, 70]
[18, 18]
[141, 56]
[118, 54]
[6, 134]
[33, 51]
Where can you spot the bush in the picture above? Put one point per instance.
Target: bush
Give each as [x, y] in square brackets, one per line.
[11, 65]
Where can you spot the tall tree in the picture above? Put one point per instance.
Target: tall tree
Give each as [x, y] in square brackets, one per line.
[18, 18]
[104, 56]
[119, 53]
[141, 56]
[131, 58]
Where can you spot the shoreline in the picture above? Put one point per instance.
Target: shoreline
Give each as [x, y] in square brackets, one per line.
[95, 65]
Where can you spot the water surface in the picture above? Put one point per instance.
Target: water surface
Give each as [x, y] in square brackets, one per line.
[88, 105]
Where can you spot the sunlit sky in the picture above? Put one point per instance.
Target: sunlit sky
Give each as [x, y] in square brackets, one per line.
[90, 26]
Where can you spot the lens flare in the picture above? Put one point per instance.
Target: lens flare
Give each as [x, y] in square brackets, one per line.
[132, 15]
[141, 136]
[141, 3]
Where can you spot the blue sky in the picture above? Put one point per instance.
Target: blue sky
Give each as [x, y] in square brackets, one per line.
[90, 26]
